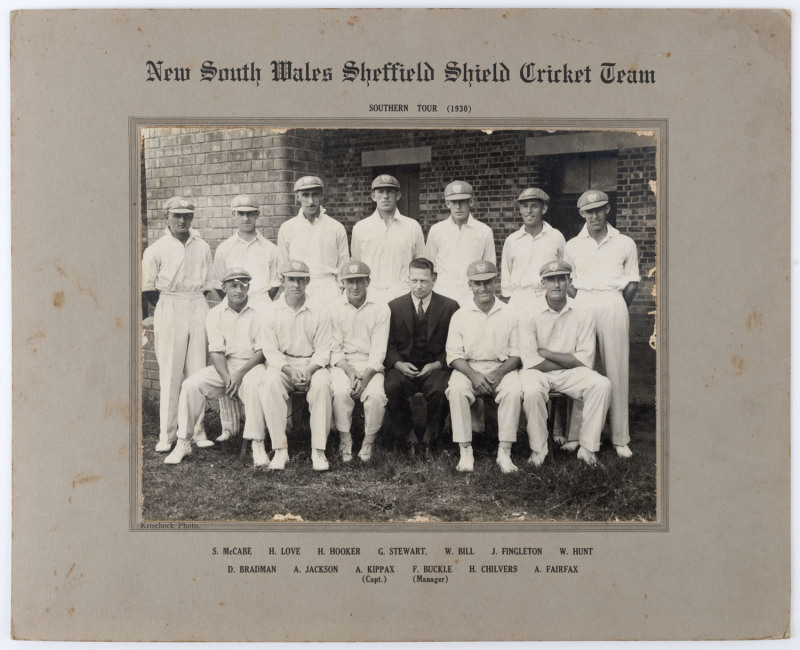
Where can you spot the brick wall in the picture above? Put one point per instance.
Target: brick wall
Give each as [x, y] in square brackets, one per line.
[493, 163]
[213, 165]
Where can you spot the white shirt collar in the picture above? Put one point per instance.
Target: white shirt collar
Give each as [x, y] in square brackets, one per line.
[522, 232]
[426, 302]
[345, 301]
[322, 213]
[498, 304]
[395, 217]
[282, 304]
[469, 223]
[244, 309]
[193, 234]
[611, 232]
[258, 236]
[546, 307]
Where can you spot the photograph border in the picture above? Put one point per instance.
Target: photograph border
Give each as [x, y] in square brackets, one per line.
[656, 125]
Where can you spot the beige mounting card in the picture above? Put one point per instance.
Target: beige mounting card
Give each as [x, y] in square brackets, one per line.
[682, 116]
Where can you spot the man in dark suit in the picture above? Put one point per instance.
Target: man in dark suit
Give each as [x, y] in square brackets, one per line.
[415, 358]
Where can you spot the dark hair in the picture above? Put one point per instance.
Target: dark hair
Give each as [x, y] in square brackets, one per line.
[422, 263]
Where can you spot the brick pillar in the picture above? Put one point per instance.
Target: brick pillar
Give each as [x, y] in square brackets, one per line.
[636, 217]
[150, 386]
[287, 157]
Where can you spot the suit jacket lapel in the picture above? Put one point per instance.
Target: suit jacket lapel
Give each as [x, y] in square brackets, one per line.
[434, 313]
[408, 314]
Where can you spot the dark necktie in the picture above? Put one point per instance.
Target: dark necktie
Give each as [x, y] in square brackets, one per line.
[420, 311]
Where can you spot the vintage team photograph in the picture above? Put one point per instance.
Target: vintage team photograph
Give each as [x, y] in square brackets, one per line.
[396, 325]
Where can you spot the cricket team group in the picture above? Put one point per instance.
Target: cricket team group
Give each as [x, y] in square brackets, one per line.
[389, 317]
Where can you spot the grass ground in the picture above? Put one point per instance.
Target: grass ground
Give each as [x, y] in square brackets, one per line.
[216, 484]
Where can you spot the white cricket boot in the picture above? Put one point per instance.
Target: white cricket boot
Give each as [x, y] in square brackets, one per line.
[366, 448]
[466, 462]
[588, 457]
[346, 446]
[182, 449]
[318, 460]
[537, 458]
[623, 451]
[280, 459]
[507, 465]
[260, 458]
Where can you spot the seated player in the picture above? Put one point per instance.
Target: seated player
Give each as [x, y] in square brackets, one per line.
[359, 333]
[483, 350]
[296, 340]
[557, 342]
[237, 368]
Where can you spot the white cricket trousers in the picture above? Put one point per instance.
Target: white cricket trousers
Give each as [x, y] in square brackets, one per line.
[460, 393]
[179, 328]
[583, 384]
[613, 322]
[207, 383]
[373, 398]
[275, 401]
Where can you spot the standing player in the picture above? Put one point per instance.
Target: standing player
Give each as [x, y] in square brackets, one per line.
[250, 250]
[176, 275]
[387, 241]
[457, 241]
[527, 249]
[315, 239]
[359, 334]
[606, 276]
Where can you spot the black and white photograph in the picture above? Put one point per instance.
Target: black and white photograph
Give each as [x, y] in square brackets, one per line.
[400, 325]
